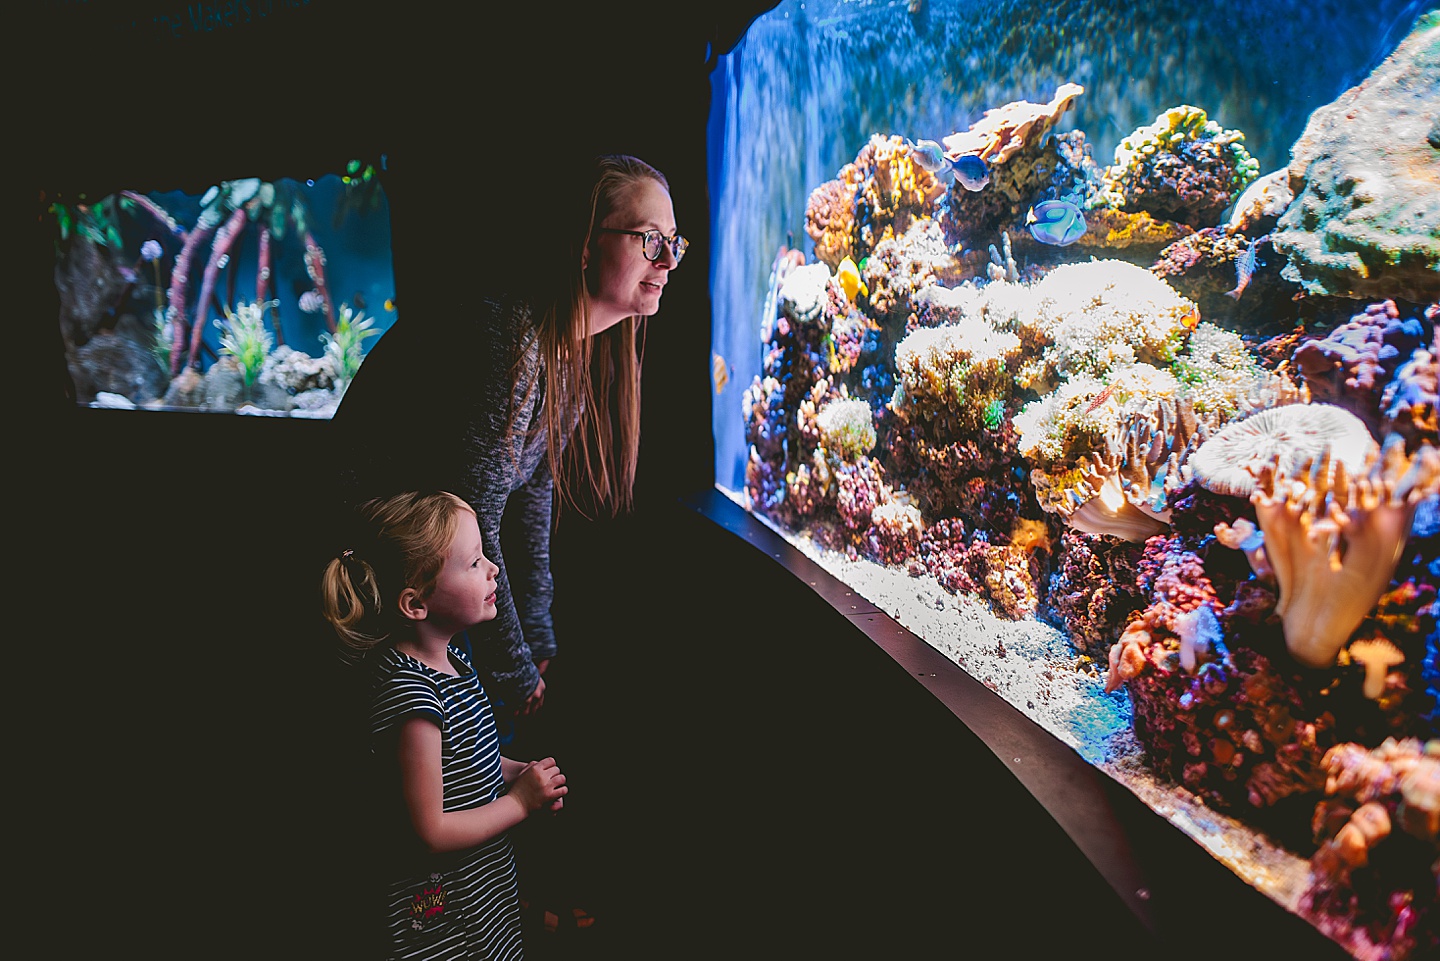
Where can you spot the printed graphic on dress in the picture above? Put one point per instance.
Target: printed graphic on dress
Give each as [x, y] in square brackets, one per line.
[427, 907]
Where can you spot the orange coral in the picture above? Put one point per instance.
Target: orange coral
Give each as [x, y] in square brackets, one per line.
[1002, 132]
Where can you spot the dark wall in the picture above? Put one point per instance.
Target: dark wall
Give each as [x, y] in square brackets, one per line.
[176, 753]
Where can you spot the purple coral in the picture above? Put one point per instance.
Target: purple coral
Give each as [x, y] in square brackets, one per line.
[1351, 365]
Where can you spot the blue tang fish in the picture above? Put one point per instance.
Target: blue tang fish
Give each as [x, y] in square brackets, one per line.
[971, 171]
[930, 156]
[1057, 222]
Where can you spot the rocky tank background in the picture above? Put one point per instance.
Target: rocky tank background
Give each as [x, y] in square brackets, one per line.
[252, 296]
[1112, 336]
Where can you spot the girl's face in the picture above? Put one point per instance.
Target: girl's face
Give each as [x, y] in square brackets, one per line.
[620, 281]
[464, 592]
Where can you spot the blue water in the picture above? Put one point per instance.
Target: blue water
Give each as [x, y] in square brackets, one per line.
[810, 82]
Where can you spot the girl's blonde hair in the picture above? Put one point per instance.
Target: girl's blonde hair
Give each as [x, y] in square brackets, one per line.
[400, 541]
[592, 384]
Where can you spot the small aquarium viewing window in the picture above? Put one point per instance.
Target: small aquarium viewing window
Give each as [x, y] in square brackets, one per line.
[1095, 344]
[250, 297]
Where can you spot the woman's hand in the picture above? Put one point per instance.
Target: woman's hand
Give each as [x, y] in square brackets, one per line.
[540, 785]
[532, 703]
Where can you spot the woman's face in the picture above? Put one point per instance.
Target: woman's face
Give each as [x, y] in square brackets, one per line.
[620, 281]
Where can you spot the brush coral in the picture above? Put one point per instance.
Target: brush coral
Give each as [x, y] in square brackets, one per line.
[947, 375]
[1101, 315]
[1333, 539]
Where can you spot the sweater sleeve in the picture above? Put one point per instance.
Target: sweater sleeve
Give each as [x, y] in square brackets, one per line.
[490, 484]
[526, 528]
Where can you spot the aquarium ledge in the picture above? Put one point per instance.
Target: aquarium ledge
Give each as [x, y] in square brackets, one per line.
[1154, 867]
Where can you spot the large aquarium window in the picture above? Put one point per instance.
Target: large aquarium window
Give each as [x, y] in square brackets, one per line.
[1095, 344]
[249, 297]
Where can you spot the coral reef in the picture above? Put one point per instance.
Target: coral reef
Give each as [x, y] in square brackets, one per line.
[1351, 365]
[1025, 161]
[1221, 486]
[1375, 876]
[1365, 221]
[1184, 167]
[875, 197]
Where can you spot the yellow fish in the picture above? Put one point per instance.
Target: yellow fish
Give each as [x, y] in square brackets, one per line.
[850, 280]
[719, 372]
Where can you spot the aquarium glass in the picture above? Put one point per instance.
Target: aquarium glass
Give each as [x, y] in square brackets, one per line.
[1095, 344]
[251, 297]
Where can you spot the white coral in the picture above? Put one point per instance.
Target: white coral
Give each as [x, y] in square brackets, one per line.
[847, 427]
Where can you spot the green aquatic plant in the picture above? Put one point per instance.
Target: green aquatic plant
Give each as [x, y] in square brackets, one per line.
[244, 337]
[345, 347]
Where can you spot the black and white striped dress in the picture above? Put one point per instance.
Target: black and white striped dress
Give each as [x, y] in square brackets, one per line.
[464, 904]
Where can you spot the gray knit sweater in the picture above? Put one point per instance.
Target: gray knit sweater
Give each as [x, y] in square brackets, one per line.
[430, 410]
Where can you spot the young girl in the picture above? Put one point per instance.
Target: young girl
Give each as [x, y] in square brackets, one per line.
[403, 593]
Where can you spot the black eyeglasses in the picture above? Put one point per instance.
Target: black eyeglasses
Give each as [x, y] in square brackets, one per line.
[655, 242]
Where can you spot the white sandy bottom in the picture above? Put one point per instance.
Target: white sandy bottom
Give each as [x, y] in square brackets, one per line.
[1041, 675]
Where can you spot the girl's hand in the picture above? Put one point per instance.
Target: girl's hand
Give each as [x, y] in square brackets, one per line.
[540, 785]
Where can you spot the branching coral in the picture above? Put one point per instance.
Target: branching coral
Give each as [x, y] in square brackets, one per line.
[1409, 403]
[1333, 539]
[1183, 167]
[1351, 365]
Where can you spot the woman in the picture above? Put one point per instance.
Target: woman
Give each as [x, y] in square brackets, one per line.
[534, 400]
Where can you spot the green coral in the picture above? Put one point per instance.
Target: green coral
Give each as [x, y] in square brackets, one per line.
[244, 337]
[345, 347]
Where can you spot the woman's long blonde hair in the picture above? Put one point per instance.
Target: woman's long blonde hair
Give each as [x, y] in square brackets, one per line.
[592, 383]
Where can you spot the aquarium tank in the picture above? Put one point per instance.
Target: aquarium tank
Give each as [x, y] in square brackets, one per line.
[252, 296]
[1095, 344]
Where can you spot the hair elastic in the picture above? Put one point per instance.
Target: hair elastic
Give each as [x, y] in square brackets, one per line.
[347, 554]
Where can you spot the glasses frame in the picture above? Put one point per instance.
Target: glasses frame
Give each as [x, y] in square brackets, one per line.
[677, 244]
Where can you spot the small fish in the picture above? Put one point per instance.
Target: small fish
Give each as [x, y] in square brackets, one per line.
[1057, 222]
[1244, 267]
[719, 373]
[390, 303]
[358, 300]
[972, 172]
[930, 156]
[1191, 320]
[1100, 398]
[849, 276]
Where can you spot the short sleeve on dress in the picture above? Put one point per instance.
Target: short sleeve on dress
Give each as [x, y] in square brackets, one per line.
[404, 694]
